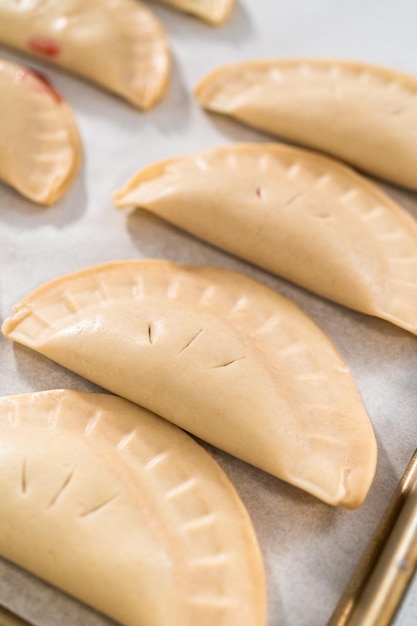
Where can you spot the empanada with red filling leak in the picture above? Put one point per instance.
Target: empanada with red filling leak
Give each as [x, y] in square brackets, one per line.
[118, 44]
[40, 148]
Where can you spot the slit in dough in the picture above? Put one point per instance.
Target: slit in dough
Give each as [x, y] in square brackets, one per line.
[230, 361]
[125, 512]
[297, 214]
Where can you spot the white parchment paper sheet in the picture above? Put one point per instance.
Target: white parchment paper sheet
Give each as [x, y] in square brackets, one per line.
[310, 549]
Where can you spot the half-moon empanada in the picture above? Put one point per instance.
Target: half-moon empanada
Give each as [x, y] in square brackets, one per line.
[118, 44]
[297, 214]
[218, 354]
[214, 12]
[364, 114]
[126, 512]
[40, 149]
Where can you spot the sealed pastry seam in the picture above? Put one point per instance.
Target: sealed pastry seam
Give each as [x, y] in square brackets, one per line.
[39, 142]
[295, 213]
[126, 512]
[361, 113]
[218, 354]
[214, 12]
[118, 44]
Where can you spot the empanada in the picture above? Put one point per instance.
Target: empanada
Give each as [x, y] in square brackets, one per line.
[218, 354]
[118, 44]
[214, 12]
[40, 149]
[295, 213]
[364, 114]
[126, 512]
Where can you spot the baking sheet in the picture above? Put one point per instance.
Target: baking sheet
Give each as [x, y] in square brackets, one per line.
[310, 549]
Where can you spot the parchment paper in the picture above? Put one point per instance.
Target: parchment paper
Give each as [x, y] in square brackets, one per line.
[310, 549]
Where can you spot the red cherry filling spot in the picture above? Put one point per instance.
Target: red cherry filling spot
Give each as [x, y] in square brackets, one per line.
[42, 81]
[47, 85]
[44, 45]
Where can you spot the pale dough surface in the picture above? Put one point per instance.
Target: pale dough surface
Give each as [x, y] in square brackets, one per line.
[40, 147]
[310, 548]
[214, 12]
[358, 112]
[118, 44]
[126, 512]
[218, 354]
[295, 213]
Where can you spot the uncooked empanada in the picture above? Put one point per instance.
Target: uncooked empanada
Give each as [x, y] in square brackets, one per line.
[126, 512]
[40, 149]
[118, 44]
[362, 113]
[218, 354]
[212, 11]
[297, 214]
